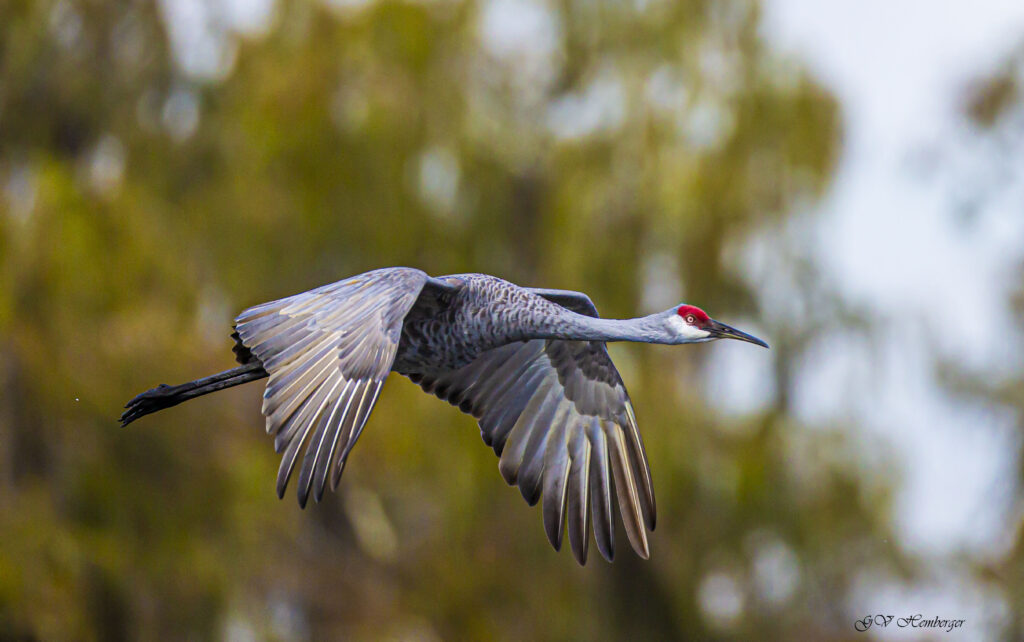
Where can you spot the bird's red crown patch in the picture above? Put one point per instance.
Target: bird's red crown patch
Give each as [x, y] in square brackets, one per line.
[700, 316]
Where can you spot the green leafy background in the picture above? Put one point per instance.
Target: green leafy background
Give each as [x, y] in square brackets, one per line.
[147, 203]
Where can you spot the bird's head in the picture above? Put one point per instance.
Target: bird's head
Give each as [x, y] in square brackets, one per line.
[690, 324]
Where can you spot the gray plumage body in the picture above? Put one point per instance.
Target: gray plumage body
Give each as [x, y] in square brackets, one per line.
[446, 331]
[530, 364]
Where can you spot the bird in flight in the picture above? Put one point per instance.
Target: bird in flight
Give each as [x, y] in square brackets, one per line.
[529, 364]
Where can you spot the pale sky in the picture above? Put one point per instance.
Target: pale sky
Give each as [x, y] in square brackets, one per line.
[893, 241]
[891, 238]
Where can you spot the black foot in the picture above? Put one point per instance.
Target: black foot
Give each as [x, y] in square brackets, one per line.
[163, 396]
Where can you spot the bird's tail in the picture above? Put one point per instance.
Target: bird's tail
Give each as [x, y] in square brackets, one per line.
[164, 396]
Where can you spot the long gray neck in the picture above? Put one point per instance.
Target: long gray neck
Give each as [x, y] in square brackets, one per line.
[578, 327]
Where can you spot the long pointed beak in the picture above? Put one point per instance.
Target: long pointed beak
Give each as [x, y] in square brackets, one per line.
[722, 331]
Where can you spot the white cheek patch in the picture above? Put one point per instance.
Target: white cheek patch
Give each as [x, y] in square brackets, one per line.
[685, 330]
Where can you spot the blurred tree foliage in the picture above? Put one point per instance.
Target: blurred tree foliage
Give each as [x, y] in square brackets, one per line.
[156, 182]
[993, 106]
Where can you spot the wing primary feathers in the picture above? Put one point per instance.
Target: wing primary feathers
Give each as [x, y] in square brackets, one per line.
[550, 419]
[512, 456]
[600, 492]
[347, 418]
[284, 472]
[512, 385]
[625, 487]
[286, 428]
[336, 472]
[287, 401]
[500, 424]
[359, 422]
[312, 452]
[359, 418]
[556, 474]
[641, 469]
[315, 450]
[324, 463]
[578, 498]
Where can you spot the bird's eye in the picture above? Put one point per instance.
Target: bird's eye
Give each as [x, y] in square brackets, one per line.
[690, 319]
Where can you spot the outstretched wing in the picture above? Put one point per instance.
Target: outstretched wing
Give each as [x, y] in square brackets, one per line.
[327, 352]
[558, 415]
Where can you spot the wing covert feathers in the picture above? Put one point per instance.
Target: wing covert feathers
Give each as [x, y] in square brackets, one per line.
[558, 416]
[327, 352]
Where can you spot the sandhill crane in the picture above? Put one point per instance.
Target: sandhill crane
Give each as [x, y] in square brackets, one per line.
[530, 364]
